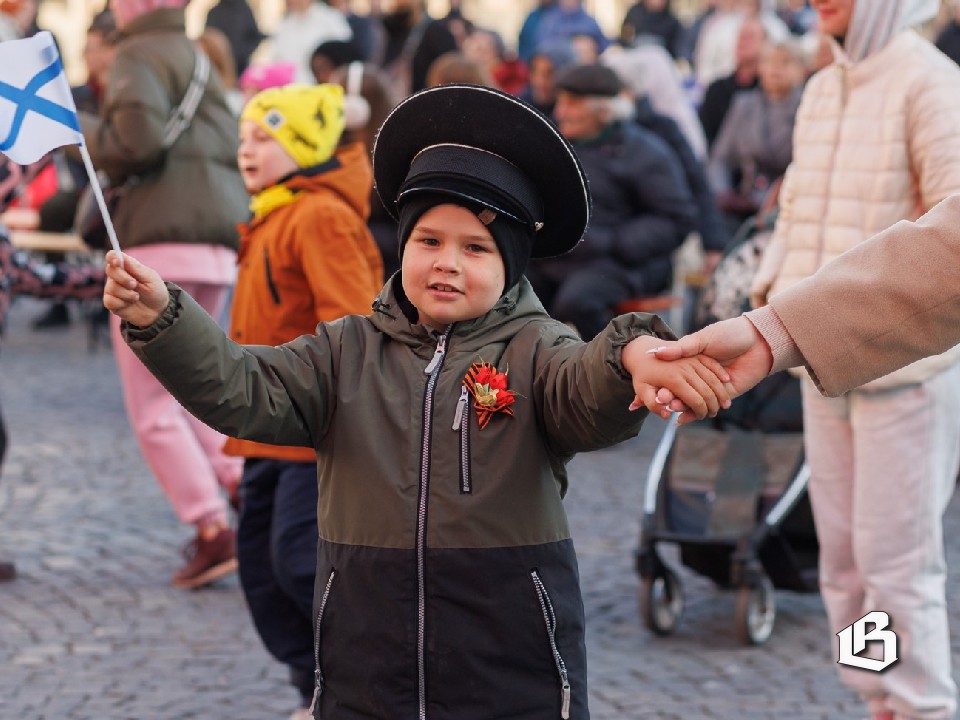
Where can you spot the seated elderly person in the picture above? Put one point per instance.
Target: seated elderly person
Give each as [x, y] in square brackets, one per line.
[642, 206]
[754, 146]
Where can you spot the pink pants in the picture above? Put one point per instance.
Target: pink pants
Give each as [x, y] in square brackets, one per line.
[883, 468]
[184, 454]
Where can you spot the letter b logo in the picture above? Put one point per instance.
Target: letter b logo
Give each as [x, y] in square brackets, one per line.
[854, 639]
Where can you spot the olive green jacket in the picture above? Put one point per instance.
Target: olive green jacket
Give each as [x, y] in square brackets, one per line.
[446, 582]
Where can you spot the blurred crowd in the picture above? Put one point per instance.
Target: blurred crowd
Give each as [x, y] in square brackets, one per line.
[711, 98]
[684, 128]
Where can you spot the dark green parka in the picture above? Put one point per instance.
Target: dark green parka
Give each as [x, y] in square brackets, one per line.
[447, 583]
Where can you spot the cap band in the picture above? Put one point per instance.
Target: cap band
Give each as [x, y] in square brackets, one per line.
[477, 175]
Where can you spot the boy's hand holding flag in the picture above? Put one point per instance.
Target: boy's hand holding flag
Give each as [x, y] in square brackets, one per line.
[37, 113]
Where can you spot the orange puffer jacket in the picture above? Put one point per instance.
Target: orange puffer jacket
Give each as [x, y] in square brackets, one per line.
[311, 261]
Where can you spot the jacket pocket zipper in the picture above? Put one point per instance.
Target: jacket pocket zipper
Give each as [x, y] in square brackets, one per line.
[270, 283]
[317, 672]
[461, 423]
[550, 619]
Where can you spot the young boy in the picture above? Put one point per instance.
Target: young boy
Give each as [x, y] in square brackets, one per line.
[305, 257]
[447, 583]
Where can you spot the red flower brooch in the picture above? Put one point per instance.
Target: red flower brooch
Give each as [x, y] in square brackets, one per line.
[489, 390]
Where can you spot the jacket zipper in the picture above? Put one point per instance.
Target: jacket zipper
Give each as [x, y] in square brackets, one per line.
[270, 284]
[461, 423]
[433, 370]
[546, 607]
[317, 672]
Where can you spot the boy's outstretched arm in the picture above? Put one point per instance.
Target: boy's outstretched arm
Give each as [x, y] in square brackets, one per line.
[133, 291]
[699, 382]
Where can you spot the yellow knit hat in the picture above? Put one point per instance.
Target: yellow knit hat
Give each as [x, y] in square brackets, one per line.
[306, 120]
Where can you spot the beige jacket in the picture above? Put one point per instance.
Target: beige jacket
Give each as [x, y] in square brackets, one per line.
[876, 142]
[884, 304]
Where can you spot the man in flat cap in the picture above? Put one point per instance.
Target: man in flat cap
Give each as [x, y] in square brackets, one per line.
[643, 206]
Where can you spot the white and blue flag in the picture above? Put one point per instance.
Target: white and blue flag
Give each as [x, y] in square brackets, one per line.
[37, 113]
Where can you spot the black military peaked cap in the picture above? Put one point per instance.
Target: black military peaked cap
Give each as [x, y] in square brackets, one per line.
[485, 147]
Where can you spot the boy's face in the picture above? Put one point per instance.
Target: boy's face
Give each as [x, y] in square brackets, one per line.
[261, 159]
[451, 267]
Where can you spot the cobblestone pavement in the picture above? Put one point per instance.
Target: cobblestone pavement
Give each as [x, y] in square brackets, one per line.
[93, 630]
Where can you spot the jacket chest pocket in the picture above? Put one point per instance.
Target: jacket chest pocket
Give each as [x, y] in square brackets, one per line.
[461, 425]
[317, 635]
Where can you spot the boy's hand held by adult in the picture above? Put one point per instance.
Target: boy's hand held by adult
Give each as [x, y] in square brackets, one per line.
[133, 291]
[735, 343]
[700, 382]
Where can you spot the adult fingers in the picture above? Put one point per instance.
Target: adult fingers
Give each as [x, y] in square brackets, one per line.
[695, 394]
[718, 370]
[688, 346]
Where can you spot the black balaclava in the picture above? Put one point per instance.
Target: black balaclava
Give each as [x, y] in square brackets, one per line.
[514, 239]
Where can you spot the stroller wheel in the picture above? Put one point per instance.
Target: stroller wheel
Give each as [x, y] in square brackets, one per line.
[661, 602]
[756, 611]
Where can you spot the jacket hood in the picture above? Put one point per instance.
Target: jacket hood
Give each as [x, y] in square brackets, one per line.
[875, 22]
[516, 308]
[350, 178]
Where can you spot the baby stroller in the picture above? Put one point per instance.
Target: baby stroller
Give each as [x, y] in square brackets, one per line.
[730, 491]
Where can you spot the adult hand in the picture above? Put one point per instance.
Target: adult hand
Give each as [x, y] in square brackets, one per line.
[698, 383]
[133, 291]
[736, 344]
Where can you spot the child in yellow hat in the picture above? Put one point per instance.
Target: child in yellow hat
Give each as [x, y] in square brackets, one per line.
[306, 257]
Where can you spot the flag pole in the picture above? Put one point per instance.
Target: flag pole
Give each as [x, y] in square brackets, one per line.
[98, 194]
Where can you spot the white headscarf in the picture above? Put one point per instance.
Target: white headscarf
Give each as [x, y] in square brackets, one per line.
[875, 22]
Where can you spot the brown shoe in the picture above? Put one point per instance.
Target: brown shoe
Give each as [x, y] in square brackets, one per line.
[8, 571]
[208, 559]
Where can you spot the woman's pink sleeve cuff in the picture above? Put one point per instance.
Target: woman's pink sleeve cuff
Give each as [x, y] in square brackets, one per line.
[785, 352]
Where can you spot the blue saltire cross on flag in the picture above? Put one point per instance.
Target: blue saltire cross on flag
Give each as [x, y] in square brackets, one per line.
[37, 113]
